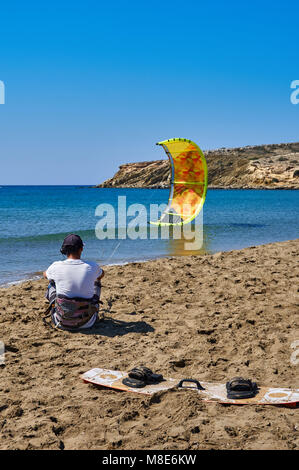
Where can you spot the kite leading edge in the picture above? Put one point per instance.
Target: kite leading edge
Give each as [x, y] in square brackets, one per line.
[189, 181]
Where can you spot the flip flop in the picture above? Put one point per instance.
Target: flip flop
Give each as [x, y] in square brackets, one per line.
[141, 376]
[145, 374]
[238, 388]
[133, 383]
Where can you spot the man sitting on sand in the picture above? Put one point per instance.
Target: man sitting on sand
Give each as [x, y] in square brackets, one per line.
[74, 286]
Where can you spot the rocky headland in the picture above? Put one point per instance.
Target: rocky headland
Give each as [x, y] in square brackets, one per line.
[273, 166]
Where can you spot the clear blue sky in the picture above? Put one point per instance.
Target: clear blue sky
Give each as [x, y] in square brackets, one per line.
[91, 85]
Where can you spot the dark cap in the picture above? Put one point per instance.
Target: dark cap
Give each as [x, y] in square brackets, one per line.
[72, 240]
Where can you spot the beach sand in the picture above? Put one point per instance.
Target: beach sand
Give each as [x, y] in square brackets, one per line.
[211, 317]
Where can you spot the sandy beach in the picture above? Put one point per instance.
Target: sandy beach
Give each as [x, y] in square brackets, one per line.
[211, 317]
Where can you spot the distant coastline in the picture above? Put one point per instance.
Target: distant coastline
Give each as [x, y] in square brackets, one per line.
[273, 166]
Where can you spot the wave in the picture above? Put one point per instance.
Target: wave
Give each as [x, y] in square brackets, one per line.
[90, 233]
[48, 236]
[29, 277]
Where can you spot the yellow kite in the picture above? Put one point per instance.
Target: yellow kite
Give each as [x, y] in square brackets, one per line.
[189, 180]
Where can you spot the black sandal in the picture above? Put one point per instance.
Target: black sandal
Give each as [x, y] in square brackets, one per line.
[141, 376]
[133, 383]
[238, 388]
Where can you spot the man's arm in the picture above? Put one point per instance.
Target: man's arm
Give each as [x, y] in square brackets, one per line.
[100, 276]
[98, 279]
[50, 272]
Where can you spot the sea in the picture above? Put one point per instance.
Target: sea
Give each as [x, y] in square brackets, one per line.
[35, 220]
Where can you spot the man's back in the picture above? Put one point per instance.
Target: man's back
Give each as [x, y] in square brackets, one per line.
[74, 277]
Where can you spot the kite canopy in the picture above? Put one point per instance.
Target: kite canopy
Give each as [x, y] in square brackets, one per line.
[189, 182]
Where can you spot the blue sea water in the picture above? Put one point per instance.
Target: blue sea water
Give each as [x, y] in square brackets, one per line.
[35, 219]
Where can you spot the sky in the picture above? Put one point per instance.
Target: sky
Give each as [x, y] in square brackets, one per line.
[91, 85]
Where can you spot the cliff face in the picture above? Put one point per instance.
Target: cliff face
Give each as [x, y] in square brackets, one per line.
[262, 166]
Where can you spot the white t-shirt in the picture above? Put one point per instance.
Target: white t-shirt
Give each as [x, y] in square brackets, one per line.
[74, 277]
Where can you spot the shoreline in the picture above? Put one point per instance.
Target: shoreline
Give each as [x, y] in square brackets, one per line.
[38, 275]
[243, 188]
[209, 317]
[84, 186]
